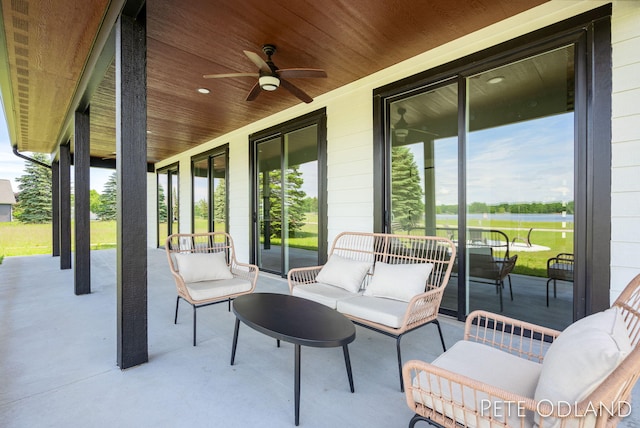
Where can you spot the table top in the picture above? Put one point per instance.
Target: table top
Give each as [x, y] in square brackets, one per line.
[294, 319]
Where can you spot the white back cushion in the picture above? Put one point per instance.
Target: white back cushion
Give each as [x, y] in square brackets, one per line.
[580, 358]
[196, 267]
[398, 281]
[344, 273]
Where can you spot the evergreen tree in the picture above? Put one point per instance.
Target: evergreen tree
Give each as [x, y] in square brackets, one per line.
[406, 193]
[108, 199]
[294, 201]
[162, 205]
[220, 202]
[34, 197]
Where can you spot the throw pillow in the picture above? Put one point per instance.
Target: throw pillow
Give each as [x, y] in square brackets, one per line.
[398, 281]
[344, 273]
[580, 358]
[197, 267]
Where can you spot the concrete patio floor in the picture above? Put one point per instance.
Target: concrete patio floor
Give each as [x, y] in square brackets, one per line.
[58, 361]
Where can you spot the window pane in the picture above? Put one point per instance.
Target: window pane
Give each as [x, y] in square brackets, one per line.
[219, 182]
[424, 168]
[201, 196]
[520, 163]
[163, 207]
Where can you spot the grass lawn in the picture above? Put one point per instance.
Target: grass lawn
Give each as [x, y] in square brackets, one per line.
[18, 239]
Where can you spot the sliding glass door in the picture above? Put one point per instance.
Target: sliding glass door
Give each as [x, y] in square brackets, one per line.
[496, 155]
[289, 220]
[168, 211]
[209, 172]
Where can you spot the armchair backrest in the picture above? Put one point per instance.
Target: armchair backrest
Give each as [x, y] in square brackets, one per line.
[213, 242]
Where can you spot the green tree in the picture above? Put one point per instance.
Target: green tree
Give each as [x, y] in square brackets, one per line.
[34, 197]
[293, 199]
[162, 205]
[220, 202]
[200, 209]
[406, 193]
[94, 201]
[109, 199]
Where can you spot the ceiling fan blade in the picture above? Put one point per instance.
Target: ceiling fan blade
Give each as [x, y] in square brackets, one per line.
[423, 131]
[254, 92]
[295, 91]
[218, 76]
[301, 72]
[257, 60]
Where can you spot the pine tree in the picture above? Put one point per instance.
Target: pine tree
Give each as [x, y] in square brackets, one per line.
[34, 197]
[220, 202]
[108, 199]
[406, 193]
[162, 205]
[294, 201]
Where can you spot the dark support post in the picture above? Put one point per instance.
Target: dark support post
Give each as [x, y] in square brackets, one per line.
[131, 156]
[81, 160]
[55, 208]
[65, 207]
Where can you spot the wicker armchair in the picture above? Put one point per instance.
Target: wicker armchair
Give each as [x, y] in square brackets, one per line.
[454, 392]
[210, 273]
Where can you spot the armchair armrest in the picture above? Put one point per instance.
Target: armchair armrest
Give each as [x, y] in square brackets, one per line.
[304, 275]
[517, 337]
[422, 309]
[245, 271]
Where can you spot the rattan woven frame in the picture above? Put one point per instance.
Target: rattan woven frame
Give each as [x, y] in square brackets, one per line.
[206, 243]
[391, 248]
[527, 341]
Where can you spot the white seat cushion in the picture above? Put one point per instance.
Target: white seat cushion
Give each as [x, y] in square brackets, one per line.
[204, 290]
[487, 365]
[325, 294]
[376, 309]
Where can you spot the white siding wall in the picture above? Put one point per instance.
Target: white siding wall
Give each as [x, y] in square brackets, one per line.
[625, 182]
[350, 134]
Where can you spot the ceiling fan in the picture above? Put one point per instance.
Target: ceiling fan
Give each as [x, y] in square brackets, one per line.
[270, 77]
[401, 128]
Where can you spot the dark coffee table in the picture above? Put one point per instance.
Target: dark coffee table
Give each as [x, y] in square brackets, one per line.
[299, 321]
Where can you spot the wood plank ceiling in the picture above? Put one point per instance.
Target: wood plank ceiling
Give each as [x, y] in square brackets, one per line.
[350, 39]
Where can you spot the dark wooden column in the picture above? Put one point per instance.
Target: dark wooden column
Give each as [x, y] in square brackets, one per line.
[131, 154]
[65, 207]
[55, 208]
[81, 160]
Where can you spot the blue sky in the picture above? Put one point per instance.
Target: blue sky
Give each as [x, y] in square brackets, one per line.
[12, 167]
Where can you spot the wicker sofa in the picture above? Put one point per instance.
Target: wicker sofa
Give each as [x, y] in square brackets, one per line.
[510, 373]
[389, 283]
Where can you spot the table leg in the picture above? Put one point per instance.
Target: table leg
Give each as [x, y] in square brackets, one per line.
[235, 341]
[347, 362]
[297, 384]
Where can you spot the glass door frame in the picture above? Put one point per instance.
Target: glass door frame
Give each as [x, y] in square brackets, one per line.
[173, 172]
[209, 156]
[319, 119]
[590, 33]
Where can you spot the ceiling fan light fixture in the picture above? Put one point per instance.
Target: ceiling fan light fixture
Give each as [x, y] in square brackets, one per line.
[269, 83]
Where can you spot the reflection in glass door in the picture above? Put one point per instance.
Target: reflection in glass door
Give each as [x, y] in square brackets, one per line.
[210, 193]
[287, 200]
[167, 203]
[488, 159]
[519, 186]
[424, 168]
